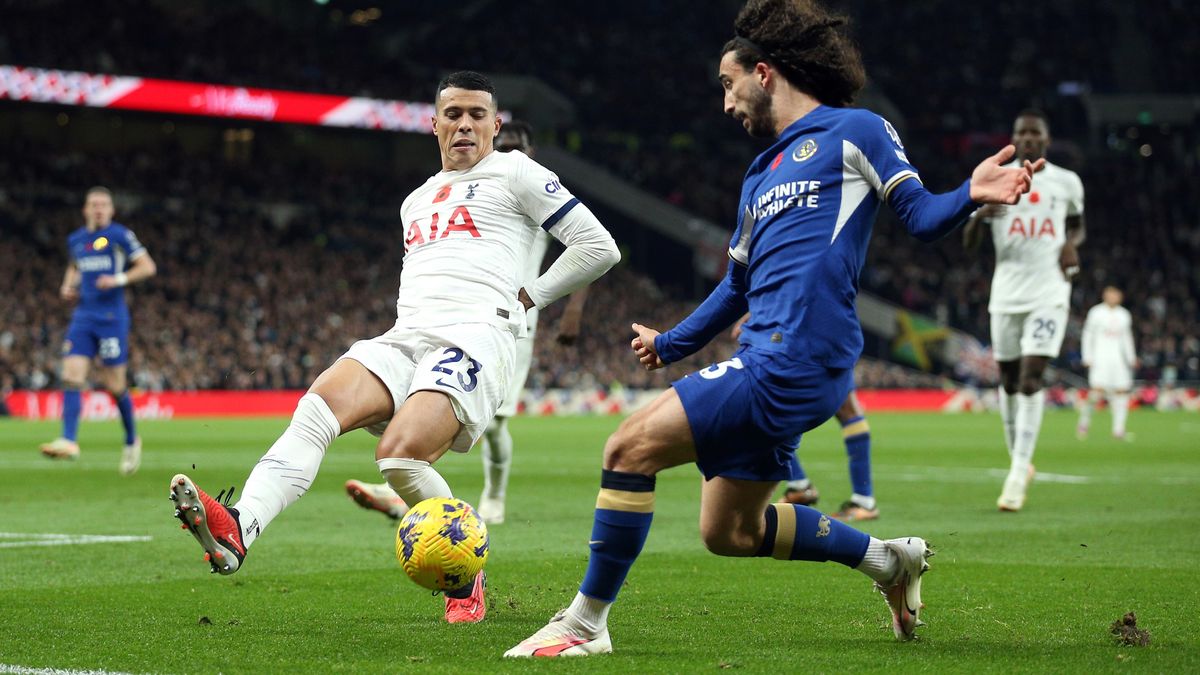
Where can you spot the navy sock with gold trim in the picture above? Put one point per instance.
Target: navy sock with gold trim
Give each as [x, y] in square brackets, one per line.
[624, 509]
[796, 532]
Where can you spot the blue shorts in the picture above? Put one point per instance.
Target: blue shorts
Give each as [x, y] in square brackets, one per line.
[747, 413]
[108, 338]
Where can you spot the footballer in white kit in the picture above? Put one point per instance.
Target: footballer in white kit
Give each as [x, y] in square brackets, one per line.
[1110, 357]
[496, 444]
[432, 382]
[1035, 242]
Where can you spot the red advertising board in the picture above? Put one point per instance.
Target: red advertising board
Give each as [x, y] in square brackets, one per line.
[97, 405]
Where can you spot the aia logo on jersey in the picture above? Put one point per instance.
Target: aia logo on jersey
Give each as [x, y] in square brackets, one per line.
[805, 150]
[1031, 229]
[460, 222]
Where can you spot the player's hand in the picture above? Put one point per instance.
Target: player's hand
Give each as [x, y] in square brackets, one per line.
[994, 183]
[524, 299]
[736, 331]
[1086, 364]
[643, 346]
[1069, 261]
[106, 281]
[68, 293]
[568, 328]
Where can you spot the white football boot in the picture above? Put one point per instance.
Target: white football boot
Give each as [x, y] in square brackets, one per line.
[561, 637]
[377, 497]
[61, 448]
[131, 457]
[491, 510]
[903, 592]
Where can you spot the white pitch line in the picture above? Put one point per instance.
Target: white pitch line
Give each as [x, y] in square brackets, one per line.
[8, 669]
[38, 539]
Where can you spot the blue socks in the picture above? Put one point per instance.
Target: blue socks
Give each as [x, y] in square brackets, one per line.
[125, 405]
[857, 436]
[797, 532]
[72, 402]
[624, 509]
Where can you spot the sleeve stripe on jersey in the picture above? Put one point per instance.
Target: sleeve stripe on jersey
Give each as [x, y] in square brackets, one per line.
[558, 215]
[896, 180]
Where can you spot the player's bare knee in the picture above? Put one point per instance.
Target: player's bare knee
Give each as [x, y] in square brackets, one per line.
[630, 450]
[397, 446]
[730, 542]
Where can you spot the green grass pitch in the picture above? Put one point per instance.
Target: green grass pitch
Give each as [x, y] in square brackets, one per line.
[1116, 528]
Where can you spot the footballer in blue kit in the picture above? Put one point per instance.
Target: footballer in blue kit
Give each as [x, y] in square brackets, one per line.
[807, 207]
[105, 256]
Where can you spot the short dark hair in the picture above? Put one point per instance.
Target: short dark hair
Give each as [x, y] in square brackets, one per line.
[466, 79]
[805, 42]
[519, 127]
[97, 189]
[1034, 112]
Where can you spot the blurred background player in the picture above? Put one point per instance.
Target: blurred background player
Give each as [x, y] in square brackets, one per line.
[790, 75]
[433, 382]
[104, 257]
[1109, 355]
[497, 443]
[1035, 243]
[856, 434]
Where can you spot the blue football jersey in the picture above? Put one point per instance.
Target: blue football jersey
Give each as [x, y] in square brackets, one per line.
[107, 250]
[808, 205]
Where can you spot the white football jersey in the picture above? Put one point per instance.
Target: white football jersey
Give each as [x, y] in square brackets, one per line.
[1029, 237]
[1108, 336]
[467, 241]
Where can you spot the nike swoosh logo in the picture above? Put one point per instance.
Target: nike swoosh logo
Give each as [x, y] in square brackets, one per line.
[593, 542]
[555, 650]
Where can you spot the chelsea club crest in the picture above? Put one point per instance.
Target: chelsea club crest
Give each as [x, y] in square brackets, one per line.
[805, 150]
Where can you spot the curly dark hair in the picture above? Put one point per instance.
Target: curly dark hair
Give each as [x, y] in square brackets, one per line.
[805, 42]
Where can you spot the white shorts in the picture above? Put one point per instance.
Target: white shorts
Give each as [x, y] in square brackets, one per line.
[471, 363]
[1036, 333]
[1113, 376]
[516, 386]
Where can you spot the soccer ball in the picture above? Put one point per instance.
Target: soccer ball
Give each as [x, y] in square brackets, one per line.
[442, 544]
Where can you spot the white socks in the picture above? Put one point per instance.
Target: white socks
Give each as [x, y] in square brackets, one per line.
[802, 484]
[1085, 411]
[1008, 417]
[589, 614]
[1027, 424]
[285, 473]
[864, 501]
[413, 479]
[879, 563]
[497, 458]
[1120, 412]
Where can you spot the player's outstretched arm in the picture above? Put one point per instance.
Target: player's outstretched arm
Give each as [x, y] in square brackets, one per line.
[643, 346]
[929, 217]
[719, 310]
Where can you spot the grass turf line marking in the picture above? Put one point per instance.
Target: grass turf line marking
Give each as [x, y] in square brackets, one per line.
[35, 539]
[8, 669]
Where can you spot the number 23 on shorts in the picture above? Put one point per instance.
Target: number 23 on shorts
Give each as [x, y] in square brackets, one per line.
[468, 380]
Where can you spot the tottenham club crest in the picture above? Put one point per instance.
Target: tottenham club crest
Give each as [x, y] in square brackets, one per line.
[805, 150]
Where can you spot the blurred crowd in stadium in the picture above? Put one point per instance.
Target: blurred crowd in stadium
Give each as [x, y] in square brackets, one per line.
[243, 248]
